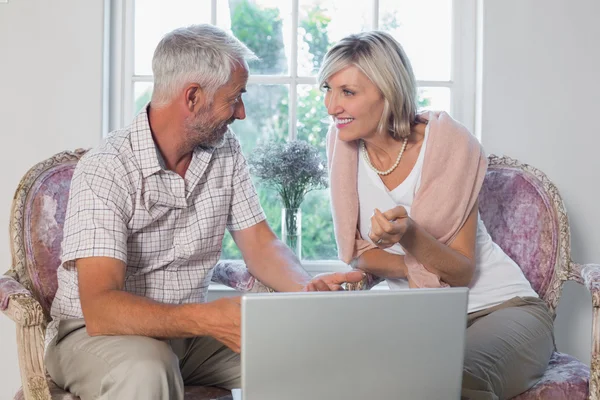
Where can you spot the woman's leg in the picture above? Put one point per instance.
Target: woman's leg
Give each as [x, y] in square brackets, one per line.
[507, 349]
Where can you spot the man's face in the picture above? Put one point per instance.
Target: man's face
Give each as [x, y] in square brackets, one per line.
[209, 125]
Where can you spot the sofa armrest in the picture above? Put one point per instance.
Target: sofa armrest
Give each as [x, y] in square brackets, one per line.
[19, 304]
[236, 276]
[590, 273]
[366, 283]
[8, 287]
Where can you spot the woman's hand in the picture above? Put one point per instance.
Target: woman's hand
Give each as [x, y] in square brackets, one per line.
[388, 228]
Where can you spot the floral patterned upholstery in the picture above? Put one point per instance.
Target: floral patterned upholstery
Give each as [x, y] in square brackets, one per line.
[44, 216]
[9, 287]
[519, 212]
[565, 378]
[520, 218]
[236, 276]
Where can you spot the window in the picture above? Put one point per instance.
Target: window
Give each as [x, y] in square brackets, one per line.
[283, 101]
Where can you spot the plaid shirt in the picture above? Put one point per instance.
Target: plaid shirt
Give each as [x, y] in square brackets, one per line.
[168, 231]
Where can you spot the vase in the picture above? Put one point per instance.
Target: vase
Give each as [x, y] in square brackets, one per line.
[291, 229]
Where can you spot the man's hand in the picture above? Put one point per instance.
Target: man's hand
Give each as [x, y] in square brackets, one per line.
[332, 281]
[226, 322]
[388, 228]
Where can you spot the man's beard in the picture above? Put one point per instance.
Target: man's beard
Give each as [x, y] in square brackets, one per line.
[203, 130]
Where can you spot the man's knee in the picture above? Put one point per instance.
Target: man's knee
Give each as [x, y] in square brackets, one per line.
[148, 358]
[149, 370]
[117, 367]
[230, 377]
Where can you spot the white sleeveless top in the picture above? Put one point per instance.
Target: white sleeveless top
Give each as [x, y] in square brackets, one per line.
[497, 277]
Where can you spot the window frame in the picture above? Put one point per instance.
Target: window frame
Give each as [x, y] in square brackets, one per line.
[121, 78]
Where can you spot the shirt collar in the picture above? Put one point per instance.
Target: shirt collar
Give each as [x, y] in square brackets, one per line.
[142, 143]
[148, 155]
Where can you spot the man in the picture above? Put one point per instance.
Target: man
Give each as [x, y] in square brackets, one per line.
[146, 216]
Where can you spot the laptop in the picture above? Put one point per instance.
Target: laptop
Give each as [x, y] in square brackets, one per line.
[406, 344]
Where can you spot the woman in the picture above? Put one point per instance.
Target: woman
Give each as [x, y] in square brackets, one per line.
[404, 190]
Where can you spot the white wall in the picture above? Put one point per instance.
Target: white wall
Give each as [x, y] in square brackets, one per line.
[50, 101]
[541, 98]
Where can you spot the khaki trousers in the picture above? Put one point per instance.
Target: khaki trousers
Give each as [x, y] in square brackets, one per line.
[508, 348]
[137, 367]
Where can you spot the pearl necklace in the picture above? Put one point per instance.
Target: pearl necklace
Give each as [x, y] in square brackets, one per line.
[363, 150]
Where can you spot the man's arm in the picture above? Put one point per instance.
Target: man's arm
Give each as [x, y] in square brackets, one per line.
[269, 260]
[108, 310]
[275, 265]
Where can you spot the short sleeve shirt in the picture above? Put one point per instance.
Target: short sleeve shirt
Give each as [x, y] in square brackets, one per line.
[168, 230]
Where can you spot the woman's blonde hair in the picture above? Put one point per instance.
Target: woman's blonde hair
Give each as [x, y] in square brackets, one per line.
[381, 58]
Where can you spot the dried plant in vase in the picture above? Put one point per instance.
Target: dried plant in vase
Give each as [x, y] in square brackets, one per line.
[293, 169]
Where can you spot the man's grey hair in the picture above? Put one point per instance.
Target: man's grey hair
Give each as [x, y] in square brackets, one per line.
[202, 54]
[381, 58]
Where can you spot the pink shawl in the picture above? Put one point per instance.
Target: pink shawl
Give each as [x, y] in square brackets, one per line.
[453, 172]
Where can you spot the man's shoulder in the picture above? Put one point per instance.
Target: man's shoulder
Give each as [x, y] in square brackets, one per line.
[113, 153]
[112, 159]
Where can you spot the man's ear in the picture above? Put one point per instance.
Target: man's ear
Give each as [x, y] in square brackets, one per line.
[194, 97]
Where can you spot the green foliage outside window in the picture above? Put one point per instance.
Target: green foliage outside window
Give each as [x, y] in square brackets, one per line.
[260, 30]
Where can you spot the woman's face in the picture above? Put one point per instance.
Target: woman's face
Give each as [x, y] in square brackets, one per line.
[354, 102]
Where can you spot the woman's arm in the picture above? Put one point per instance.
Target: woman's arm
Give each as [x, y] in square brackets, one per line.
[454, 263]
[381, 263]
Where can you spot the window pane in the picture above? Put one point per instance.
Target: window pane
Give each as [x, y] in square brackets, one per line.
[313, 120]
[424, 28]
[434, 98]
[142, 92]
[265, 27]
[318, 241]
[267, 118]
[324, 22]
[154, 18]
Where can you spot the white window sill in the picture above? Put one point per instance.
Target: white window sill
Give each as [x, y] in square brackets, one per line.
[318, 266]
